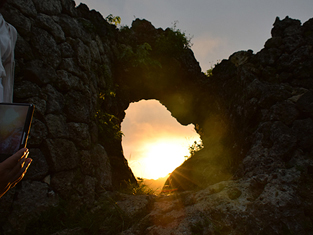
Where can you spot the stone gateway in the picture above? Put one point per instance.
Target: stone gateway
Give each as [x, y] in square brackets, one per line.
[254, 115]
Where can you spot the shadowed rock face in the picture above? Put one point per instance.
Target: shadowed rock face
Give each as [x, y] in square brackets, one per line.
[254, 115]
[261, 97]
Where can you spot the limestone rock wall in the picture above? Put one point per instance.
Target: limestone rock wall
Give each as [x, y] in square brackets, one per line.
[63, 62]
[254, 116]
[267, 96]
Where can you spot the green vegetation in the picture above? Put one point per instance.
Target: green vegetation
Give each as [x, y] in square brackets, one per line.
[105, 218]
[172, 41]
[147, 53]
[194, 148]
[209, 72]
[139, 188]
[138, 56]
[108, 124]
[116, 20]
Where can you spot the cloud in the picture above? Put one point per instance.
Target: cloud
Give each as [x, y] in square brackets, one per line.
[207, 47]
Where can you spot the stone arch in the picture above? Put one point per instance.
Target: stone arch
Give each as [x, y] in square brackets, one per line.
[261, 103]
[149, 123]
[177, 82]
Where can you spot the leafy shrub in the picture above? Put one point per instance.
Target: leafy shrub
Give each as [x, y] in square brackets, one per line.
[172, 41]
[138, 188]
[116, 20]
[209, 72]
[108, 124]
[138, 56]
[195, 147]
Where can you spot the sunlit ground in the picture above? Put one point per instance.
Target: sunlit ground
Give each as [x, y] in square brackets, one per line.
[154, 143]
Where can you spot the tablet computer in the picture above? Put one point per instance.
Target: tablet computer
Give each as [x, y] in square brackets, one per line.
[15, 122]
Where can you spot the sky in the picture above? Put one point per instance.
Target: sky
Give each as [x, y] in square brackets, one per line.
[218, 27]
[154, 143]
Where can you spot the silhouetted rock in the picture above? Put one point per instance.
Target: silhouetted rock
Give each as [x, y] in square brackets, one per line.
[254, 116]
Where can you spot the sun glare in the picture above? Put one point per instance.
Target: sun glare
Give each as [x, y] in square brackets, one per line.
[154, 143]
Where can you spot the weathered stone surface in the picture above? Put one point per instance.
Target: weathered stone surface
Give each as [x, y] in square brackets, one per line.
[96, 163]
[49, 7]
[27, 90]
[63, 183]
[38, 132]
[56, 125]
[39, 72]
[46, 47]
[284, 111]
[66, 81]
[103, 169]
[40, 105]
[37, 196]
[27, 7]
[39, 167]
[68, 7]
[55, 100]
[305, 103]
[66, 50]
[63, 154]
[95, 51]
[47, 23]
[83, 55]
[51, 72]
[74, 231]
[72, 28]
[303, 129]
[254, 116]
[69, 64]
[22, 23]
[76, 188]
[23, 48]
[79, 132]
[77, 106]
[134, 205]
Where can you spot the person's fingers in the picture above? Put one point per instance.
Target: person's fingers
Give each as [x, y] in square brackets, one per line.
[20, 171]
[24, 152]
[19, 154]
[4, 190]
[15, 168]
[13, 160]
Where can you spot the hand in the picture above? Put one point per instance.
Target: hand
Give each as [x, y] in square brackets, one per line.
[13, 169]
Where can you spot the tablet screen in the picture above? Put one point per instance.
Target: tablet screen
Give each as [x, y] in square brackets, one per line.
[12, 122]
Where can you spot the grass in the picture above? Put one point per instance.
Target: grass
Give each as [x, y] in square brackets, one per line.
[139, 188]
[105, 218]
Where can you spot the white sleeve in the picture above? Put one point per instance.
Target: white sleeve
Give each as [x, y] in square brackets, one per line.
[2, 70]
[8, 82]
[3, 39]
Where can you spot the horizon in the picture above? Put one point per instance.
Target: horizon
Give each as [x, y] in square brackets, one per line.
[152, 137]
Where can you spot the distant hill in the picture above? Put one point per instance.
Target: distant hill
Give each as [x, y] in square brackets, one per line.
[157, 184]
